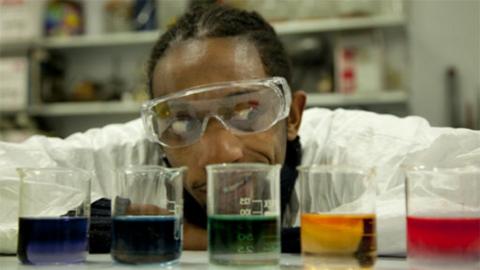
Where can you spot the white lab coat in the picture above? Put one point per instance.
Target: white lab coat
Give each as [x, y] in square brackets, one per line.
[327, 137]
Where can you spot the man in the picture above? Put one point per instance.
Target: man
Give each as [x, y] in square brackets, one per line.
[218, 96]
[223, 45]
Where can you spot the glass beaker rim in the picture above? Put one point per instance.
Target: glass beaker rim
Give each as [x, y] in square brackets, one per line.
[24, 171]
[323, 168]
[54, 169]
[421, 168]
[236, 166]
[45, 169]
[147, 168]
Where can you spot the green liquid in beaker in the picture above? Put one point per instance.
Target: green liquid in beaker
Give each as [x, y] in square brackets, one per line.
[250, 240]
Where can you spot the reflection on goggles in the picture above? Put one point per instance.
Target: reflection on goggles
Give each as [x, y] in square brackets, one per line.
[243, 107]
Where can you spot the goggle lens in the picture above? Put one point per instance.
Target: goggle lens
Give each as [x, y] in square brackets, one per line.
[181, 120]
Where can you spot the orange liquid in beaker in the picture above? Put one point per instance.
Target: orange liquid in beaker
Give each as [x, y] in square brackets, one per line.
[340, 235]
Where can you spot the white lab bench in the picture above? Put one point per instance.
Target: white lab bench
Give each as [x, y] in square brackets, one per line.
[197, 260]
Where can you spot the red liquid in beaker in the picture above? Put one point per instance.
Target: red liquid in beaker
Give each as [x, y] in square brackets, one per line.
[447, 238]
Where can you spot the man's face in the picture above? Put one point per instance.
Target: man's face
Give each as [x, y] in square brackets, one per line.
[205, 61]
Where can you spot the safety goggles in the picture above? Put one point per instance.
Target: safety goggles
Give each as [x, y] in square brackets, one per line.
[242, 107]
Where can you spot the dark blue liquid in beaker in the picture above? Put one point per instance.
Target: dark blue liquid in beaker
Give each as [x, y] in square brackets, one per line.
[52, 240]
[146, 239]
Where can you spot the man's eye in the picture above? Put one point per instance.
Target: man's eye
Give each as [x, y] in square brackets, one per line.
[244, 114]
[245, 110]
[180, 126]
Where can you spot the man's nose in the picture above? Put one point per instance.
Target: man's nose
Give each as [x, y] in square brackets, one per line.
[219, 145]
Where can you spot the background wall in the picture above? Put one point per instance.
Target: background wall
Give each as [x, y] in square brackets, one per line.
[444, 33]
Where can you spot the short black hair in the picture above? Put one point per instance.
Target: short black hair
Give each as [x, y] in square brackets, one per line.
[218, 20]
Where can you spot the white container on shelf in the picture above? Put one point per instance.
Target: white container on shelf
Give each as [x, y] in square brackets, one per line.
[14, 83]
[94, 17]
[358, 63]
[21, 20]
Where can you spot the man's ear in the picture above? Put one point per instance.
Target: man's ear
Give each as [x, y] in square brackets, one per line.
[296, 111]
